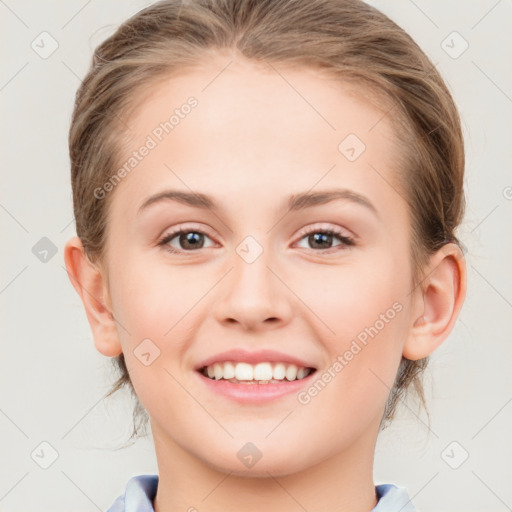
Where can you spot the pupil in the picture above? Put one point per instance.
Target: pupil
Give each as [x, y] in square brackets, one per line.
[319, 238]
[191, 238]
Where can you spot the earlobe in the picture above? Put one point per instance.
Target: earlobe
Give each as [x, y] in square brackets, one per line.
[91, 286]
[438, 298]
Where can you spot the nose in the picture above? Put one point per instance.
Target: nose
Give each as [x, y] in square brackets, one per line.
[254, 295]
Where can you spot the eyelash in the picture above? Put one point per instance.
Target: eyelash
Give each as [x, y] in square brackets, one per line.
[345, 240]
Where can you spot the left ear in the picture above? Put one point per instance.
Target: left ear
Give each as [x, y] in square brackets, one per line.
[437, 302]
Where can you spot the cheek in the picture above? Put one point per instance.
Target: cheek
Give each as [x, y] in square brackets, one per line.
[154, 306]
[350, 297]
[364, 310]
[364, 359]
[153, 299]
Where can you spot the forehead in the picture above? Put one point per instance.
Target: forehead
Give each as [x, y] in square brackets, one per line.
[256, 127]
[231, 92]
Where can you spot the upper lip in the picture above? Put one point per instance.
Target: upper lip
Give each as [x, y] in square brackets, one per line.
[253, 357]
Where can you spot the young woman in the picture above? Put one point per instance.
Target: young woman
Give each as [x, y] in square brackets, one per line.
[266, 195]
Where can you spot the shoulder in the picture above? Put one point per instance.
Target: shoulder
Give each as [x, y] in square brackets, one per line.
[393, 497]
[139, 494]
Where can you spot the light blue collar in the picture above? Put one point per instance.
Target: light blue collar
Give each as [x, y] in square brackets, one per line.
[141, 490]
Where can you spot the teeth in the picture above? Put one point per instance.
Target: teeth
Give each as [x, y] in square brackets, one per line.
[217, 371]
[261, 372]
[229, 371]
[291, 372]
[279, 372]
[301, 373]
[243, 371]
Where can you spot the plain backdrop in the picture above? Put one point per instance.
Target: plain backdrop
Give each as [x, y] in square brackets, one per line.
[53, 379]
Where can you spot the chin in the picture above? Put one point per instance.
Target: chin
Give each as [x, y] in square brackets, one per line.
[248, 462]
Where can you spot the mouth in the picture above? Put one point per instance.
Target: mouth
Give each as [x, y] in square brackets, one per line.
[264, 373]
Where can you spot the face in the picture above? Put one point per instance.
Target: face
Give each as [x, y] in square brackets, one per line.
[258, 266]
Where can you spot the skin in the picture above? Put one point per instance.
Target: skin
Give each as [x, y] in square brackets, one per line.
[252, 141]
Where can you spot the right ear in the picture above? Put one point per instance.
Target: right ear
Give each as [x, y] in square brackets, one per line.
[90, 283]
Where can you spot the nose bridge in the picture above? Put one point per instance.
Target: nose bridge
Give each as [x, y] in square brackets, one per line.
[253, 294]
[251, 263]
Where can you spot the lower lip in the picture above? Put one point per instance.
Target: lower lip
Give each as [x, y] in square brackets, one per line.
[255, 393]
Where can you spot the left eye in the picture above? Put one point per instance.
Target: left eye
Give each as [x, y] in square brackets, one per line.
[322, 239]
[187, 240]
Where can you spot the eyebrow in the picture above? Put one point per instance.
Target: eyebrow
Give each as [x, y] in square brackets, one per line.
[296, 202]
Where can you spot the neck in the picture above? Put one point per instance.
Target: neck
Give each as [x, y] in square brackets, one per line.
[340, 483]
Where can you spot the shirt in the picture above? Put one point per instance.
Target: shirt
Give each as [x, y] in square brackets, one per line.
[141, 491]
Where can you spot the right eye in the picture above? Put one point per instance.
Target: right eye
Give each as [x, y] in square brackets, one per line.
[188, 240]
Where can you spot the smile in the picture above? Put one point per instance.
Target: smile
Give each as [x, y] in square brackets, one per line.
[254, 384]
[261, 373]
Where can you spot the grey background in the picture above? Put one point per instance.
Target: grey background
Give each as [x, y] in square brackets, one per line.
[52, 377]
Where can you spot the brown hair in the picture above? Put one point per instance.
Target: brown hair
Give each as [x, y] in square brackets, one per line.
[347, 38]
